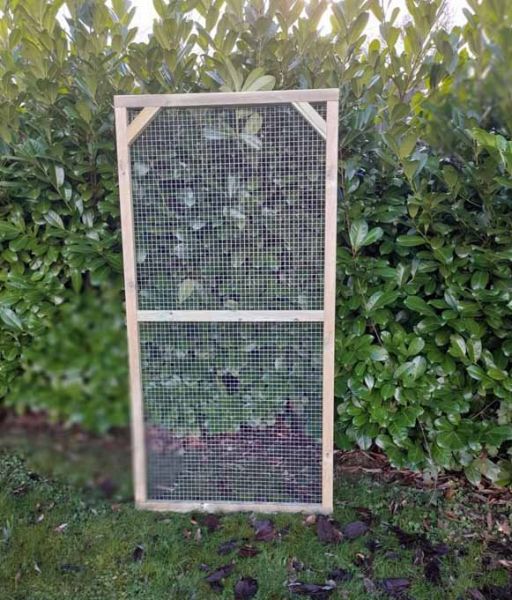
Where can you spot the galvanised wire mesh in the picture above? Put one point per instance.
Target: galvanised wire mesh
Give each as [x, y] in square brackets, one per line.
[233, 411]
[229, 209]
[229, 214]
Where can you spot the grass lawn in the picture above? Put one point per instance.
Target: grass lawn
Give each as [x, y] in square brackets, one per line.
[62, 542]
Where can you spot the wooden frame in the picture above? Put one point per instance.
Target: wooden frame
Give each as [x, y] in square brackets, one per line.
[126, 133]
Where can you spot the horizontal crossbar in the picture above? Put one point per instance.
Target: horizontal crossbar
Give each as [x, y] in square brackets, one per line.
[226, 98]
[230, 315]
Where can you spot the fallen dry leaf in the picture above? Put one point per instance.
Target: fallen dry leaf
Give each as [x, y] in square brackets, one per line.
[504, 527]
[355, 530]
[67, 568]
[312, 590]
[227, 547]
[245, 588]
[264, 530]
[247, 551]
[216, 578]
[328, 531]
[395, 585]
[138, 553]
[338, 574]
[475, 594]
[294, 565]
[211, 522]
[432, 571]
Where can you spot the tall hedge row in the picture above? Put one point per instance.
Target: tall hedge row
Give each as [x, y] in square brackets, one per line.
[424, 315]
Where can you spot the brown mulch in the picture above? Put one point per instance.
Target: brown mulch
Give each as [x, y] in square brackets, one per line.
[357, 462]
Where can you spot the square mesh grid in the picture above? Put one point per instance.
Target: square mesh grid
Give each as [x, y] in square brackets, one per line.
[233, 411]
[229, 209]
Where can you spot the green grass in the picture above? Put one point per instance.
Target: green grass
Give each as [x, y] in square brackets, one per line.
[92, 558]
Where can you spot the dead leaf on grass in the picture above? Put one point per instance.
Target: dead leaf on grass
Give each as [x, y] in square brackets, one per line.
[312, 590]
[248, 551]
[215, 578]
[227, 547]
[355, 530]
[138, 553]
[395, 585]
[264, 530]
[328, 531]
[211, 522]
[245, 588]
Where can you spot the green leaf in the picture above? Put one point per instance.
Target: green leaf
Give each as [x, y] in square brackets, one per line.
[380, 299]
[419, 305]
[260, 84]
[411, 370]
[497, 374]
[357, 27]
[235, 75]
[186, 289]
[498, 434]
[8, 231]
[378, 353]
[373, 236]
[451, 440]
[59, 175]
[473, 474]
[363, 441]
[418, 367]
[407, 144]
[54, 219]
[476, 372]
[416, 346]
[458, 346]
[253, 123]
[410, 240]
[251, 140]
[76, 280]
[10, 318]
[479, 280]
[358, 233]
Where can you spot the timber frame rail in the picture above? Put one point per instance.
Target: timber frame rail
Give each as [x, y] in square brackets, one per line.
[126, 133]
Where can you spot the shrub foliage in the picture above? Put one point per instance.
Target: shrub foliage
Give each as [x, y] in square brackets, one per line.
[424, 257]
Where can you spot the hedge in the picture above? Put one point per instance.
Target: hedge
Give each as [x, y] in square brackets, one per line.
[424, 255]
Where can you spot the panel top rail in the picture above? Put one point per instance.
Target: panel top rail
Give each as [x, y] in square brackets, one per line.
[226, 98]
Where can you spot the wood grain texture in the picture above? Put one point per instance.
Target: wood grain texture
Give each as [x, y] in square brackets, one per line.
[141, 121]
[312, 117]
[231, 315]
[331, 193]
[226, 507]
[130, 284]
[226, 98]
